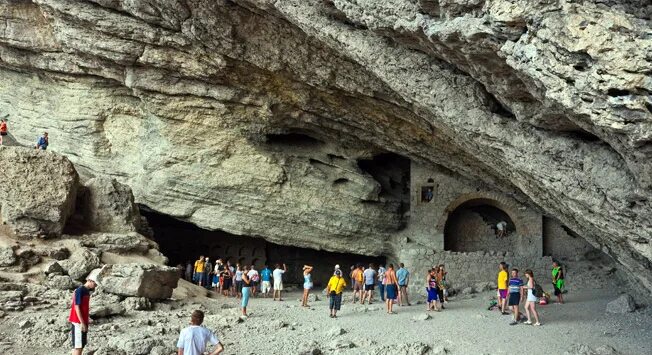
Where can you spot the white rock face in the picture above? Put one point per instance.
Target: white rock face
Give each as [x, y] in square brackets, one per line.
[38, 191]
[191, 103]
[139, 280]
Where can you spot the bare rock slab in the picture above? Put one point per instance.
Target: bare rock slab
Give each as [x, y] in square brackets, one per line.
[140, 280]
[108, 206]
[39, 190]
[621, 305]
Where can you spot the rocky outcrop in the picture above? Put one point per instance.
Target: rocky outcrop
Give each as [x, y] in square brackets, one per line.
[108, 206]
[139, 280]
[38, 191]
[256, 117]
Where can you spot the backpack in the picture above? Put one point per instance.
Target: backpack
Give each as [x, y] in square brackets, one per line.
[537, 291]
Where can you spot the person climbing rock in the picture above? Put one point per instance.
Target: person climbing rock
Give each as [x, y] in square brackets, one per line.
[80, 312]
[193, 339]
[43, 142]
[3, 130]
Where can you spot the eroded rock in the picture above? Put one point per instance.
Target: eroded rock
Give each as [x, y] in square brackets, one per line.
[140, 280]
[108, 206]
[621, 305]
[80, 263]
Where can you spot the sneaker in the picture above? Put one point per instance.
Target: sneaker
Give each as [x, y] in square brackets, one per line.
[537, 324]
[513, 322]
[528, 322]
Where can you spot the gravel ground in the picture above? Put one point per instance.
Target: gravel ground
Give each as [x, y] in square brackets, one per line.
[464, 327]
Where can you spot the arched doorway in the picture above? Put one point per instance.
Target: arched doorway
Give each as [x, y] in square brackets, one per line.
[472, 226]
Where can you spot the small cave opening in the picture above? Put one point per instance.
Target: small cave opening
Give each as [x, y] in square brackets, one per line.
[184, 242]
[293, 139]
[392, 172]
[474, 226]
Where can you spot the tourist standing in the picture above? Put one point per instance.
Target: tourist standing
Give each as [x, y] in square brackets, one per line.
[403, 276]
[432, 291]
[199, 270]
[227, 280]
[246, 290]
[238, 280]
[357, 279]
[515, 295]
[219, 273]
[381, 282]
[441, 275]
[208, 270]
[266, 278]
[231, 269]
[43, 142]
[531, 301]
[80, 312]
[369, 276]
[255, 278]
[193, 339]
[444, 283]
[188, 275]
[307, 284]
[3, 130]
[502, 286]
[277, 274]
[391, 287]
[334, 290]
[558, 281]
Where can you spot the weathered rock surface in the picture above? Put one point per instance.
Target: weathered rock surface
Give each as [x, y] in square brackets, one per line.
[623, 304]
[38, 191]
[80, 264]
[108, 206]
[252, 116]
[7, 256]
[140, 280]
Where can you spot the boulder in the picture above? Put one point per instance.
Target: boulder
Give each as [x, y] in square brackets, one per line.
[104, 310]
[137, 304]
[108, 206]
[61, 282]
[335, 331]
[119, 243]
[53, 268]
[80, 263]
[623, 304]
[139, 280]
[7, 256]
[38, 190]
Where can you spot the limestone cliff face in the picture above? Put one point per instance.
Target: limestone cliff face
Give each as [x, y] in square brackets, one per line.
[253, 116]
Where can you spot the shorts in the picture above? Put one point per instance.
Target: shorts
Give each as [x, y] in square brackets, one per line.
[278, 285]
[369, 287]
[3, 133]
[266, 286]
[307, 285]
[335, 302]
[391, 292]
[557, 291]
[432, 294]
[503, 294]
[201, 276]
[79, 338]
[531, 297]
[514, 299]
[226, 284]
[357, 286]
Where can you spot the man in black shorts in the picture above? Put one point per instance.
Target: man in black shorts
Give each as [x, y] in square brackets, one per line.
[369, 277]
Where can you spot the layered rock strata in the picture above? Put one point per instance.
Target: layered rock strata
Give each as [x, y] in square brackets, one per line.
[252, 116]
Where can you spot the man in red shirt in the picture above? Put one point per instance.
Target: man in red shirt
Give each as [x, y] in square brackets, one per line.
[79, 312]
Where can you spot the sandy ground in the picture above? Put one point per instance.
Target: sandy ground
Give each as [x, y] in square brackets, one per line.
[465, 327]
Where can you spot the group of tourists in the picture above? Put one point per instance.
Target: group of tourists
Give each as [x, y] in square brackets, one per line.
[41, 143]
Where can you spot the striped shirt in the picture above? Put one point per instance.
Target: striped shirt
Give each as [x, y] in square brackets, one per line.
[515, 285]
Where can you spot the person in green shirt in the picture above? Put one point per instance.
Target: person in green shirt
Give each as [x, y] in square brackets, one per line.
[558, 281]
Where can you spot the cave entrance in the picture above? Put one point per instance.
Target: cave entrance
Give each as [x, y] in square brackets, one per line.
[183, 242]
[472, 226]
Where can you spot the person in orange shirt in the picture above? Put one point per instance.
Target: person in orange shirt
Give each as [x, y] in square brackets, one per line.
[356, 278]
[3, 129]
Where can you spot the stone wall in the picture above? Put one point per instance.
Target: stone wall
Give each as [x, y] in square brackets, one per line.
[560, 243]
[468, 269]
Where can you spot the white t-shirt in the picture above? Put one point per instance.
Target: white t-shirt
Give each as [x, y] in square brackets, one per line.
[501, 225]
[253, 275]
[278, 275]
[193, 340]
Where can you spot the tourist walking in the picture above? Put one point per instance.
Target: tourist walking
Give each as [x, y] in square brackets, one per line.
[307, 284]
[391, 287]
[369, 276]
[558, 281]
[238, 280]
[266, 281]
[43, 142]
[381, 282]
[403, 276]
[334, 290]
[432, 291]
[193, 339]
[3, 130]
[531, 301]
[357, 280]
[255, 278]
[199, 270]
[277, 274]
[515, 295]
[246, 290]
[502, 286]
[80, 312]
